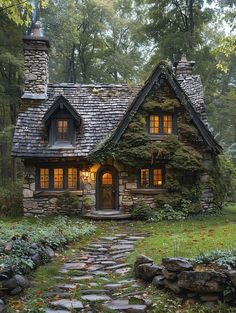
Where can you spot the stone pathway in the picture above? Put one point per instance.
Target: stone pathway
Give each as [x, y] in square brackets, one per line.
[98, 279]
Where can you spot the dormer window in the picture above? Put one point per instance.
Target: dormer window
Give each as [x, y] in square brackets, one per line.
[161, 123]
[61, 121]
[62, 130]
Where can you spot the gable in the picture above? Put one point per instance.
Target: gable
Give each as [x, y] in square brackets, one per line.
[61, 107]
[162, 72]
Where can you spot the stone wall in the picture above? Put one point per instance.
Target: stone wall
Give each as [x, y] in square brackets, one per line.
[179, 276]
[44, 202]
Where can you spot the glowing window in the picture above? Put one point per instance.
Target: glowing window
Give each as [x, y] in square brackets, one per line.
[62, 130]
[154, 124]
[58, 178]
[72, 176]
[44, 178]
[144, 178]
[167, 124]
[157, 177]
[107, 179]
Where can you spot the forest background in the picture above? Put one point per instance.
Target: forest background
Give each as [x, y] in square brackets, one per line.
[120, 41]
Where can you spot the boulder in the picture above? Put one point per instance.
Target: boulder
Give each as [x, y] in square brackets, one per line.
[168, 274]
[142, 259]
[6, 274]
[36, 259]
[21, 281]
[177, 264]
[232, 277]
[159, 281]
[8, 285]
[2, 305]
[8, 247]
[34, 245]
[147, 271]
[173, 286]
[50, 252]
[209, 298]
[16, 291]
[202, 282]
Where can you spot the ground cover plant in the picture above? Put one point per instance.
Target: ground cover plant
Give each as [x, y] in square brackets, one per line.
[16, 239]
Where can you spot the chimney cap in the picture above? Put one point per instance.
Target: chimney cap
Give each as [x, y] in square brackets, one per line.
[183, 67]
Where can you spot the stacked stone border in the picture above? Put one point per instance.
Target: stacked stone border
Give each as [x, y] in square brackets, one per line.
[179, 276]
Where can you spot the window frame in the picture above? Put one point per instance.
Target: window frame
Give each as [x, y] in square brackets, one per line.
[161, 115]
[51, 168]
[151, 183]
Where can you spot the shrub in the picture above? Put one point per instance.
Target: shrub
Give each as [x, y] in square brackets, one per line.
[69, 202]
[167, 212]
[11, 197]
[142, 211]
[222, 258]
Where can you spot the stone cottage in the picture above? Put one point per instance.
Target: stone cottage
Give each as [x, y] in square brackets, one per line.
[113, 145]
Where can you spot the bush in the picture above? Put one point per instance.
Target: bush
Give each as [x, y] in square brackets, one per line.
[11, 200]
[167, 212]
[69, 202]
[142, 211]
[222, 258]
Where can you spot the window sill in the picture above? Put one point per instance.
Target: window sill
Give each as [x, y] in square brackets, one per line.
[147, 191]
[161, 136]
[43, 193]
[58, 146]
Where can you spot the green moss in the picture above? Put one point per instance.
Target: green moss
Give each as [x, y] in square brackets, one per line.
[165, 105]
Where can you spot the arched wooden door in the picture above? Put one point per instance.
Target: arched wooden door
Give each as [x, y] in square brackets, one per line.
[107, 189]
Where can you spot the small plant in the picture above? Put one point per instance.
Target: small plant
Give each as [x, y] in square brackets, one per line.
[142, 211]
[69, 202]
[88, 203]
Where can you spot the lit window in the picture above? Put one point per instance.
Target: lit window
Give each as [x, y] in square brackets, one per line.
[151, 178]
[107, 179]
[154, 124]
[72, 176]
[167, 124]
[144, 182]
[157, 177]
[62, 130]
[58, 178]
[44, 178]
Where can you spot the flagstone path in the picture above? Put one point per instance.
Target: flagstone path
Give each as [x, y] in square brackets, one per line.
[98, 280]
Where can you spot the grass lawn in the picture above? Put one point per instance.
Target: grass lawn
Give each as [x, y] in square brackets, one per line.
[188, 238]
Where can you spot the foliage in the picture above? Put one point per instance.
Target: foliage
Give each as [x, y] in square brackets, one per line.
[55, 234]
[88, 202]
[142, 211]
[70, 202]
[11, 200]
[223, 258]
[19, 12]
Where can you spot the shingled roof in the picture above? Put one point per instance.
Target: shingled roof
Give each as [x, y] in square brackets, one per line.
[102, 108]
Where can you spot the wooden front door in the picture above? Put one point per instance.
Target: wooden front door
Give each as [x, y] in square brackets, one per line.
[107, 191]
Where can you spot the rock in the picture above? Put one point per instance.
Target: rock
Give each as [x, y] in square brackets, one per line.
[16, 291]
[168, 274]
[177, 264]
[202, 282]
[50, 252]
[68, 304]
[9, 284]
[147, 271]
[81, 278]
[56, 311]
[36, 259]
[8, 247]
[142, 259]
[34, 245]
[113, 286]
[2, 306]
[232, 277]
[173, 286]
[159, 281]
[21, 281]
[74, 266]
[124, 306]
[93, 297]
[209, 298]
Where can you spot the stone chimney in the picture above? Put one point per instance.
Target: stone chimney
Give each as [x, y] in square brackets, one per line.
[183, 67]
[36, 64]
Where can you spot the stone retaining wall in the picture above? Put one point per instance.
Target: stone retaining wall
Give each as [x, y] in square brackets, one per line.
[179, 276]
